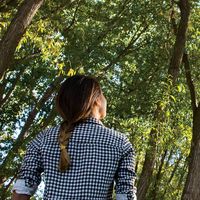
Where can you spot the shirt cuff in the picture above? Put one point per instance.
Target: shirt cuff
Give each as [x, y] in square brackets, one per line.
[124, 197]
[20, 188]
[121, 197]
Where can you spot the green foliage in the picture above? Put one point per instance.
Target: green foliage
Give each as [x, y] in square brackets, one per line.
[127, 45]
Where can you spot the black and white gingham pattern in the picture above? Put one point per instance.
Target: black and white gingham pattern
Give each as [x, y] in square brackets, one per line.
[99, 156]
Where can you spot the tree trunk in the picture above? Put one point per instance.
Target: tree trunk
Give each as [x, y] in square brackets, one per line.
[148, 166]
[158, 176]
[179, 45]
[15, 32]
[192, 186]
[176, 58]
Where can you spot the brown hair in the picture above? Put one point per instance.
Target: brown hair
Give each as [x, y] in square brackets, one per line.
[74, 103]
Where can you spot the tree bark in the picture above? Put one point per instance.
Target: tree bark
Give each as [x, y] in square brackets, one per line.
[192, 186]
[16, 31]
[179, 45]
[148, 166]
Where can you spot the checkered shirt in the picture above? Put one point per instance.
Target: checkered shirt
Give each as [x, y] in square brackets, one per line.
[101, 160]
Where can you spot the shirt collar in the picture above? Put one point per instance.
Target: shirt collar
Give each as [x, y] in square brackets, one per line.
[93, 120]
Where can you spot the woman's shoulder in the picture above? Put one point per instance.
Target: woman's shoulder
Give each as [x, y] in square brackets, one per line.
[49, 133]
[118, 137]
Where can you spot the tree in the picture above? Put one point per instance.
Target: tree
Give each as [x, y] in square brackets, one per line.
[15, 32]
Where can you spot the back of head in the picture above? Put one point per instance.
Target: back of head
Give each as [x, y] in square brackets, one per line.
[74, 103]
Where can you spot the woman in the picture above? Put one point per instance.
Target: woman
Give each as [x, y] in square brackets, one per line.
[81, 158]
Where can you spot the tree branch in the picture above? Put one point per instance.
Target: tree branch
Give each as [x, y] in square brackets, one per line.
[189, 81]
[7, 95]
[108, 27]
[74, 17]
[16, 31]
[124, 51]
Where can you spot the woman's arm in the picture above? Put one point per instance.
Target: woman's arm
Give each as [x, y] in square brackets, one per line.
[20, 189]
[16, 196]
[125, 176]
[29, 175]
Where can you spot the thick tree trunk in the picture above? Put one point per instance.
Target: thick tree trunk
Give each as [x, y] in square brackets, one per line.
[15, 32]
[179, 45]
[148, 166]
[192, 186]
[176, 58]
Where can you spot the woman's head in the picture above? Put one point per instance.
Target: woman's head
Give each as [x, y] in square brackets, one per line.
[79, 97]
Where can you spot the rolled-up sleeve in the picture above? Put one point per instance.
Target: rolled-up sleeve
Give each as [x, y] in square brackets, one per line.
[125, 176]
[29, 174]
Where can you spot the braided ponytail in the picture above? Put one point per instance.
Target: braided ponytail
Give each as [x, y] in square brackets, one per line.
[63, 140]
[74, 103]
